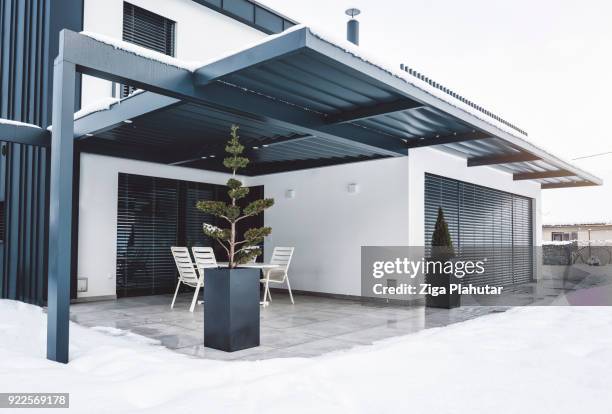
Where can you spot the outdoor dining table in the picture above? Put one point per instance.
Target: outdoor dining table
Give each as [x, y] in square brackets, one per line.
[262, 266]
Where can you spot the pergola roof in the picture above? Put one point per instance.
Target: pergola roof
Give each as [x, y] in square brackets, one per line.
[301, 101]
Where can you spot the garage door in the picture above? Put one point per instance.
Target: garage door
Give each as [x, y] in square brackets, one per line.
[483, 219]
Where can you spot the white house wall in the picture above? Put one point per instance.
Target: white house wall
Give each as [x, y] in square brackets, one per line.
[98, 192]
[327, 225]
[201, 33]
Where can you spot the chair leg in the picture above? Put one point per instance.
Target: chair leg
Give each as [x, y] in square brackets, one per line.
[289, 287]
[175, 293]
[267, 291]
[195, 298]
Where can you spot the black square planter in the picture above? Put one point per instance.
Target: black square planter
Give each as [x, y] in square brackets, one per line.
[447, 300]
[231, 308]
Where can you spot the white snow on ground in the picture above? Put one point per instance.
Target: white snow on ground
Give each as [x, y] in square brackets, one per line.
[17, 123]
[527, 360]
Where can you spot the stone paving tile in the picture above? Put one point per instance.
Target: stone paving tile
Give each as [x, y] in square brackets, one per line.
[313, 326]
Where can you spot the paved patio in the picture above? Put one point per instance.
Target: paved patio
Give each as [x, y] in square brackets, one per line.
[311, 327]
[317, 325]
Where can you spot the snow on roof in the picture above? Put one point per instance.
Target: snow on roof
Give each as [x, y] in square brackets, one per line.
[580, 243]
[98, 106]
[17, 123]
[144, 52]
[101, 105]
[578, 224]
[557, 242]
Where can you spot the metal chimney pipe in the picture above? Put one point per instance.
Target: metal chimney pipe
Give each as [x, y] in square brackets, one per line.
[352, 26]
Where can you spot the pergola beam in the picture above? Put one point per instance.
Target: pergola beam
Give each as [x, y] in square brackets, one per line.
[22, 134]
[447, 139]
[542, 174]
[549, 186]
[130, 108]
[362, 114]
[502, 159]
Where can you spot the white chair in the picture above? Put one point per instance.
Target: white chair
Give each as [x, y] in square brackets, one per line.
[187, 274]
[281, 256]
[204, 258]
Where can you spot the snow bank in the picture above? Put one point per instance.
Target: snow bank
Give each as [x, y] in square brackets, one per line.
[540, 359]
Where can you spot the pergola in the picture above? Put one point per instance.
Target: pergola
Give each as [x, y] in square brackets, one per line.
[301, 101]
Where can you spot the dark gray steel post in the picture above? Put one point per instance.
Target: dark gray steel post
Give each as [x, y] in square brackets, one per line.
[60, 209]
[352, 31]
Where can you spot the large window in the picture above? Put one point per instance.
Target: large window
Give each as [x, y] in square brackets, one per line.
[482, 219]
[147, 29]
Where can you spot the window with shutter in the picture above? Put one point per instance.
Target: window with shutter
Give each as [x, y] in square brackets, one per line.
[482, 219]
[156, 213]
[147, 29]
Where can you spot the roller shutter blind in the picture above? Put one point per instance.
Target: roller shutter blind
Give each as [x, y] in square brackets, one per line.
[147, 29]
[483, 218]
[147, 223]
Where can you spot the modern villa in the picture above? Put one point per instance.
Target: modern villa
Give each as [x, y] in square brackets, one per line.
[114, 117]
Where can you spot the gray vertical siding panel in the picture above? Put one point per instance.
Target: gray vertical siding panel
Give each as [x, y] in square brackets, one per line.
[29, 34]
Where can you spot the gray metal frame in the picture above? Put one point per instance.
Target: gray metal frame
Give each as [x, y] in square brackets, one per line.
[208, 87]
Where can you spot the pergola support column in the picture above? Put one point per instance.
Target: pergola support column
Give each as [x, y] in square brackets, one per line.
[60, 209]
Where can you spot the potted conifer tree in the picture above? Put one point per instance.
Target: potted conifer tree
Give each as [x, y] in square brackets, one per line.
[231, 294]
[442, 250]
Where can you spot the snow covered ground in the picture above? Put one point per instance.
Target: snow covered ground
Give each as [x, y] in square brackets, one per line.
[526, 360]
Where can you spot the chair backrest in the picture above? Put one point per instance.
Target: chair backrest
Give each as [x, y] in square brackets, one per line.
[282, 256]
[204, 257]
[184, 265]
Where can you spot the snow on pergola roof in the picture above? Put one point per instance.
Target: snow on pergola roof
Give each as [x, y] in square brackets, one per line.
[342, 103]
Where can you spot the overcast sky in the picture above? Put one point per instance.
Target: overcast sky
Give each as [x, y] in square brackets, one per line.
[544, 65]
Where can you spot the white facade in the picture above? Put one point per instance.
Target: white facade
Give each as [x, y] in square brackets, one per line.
[325, 222]
[201, 33]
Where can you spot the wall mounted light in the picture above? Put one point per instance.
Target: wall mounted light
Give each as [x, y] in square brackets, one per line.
[290, 194]
[353, 188]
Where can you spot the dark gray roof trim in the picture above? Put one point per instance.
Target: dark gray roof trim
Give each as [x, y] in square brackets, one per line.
[251, 13]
